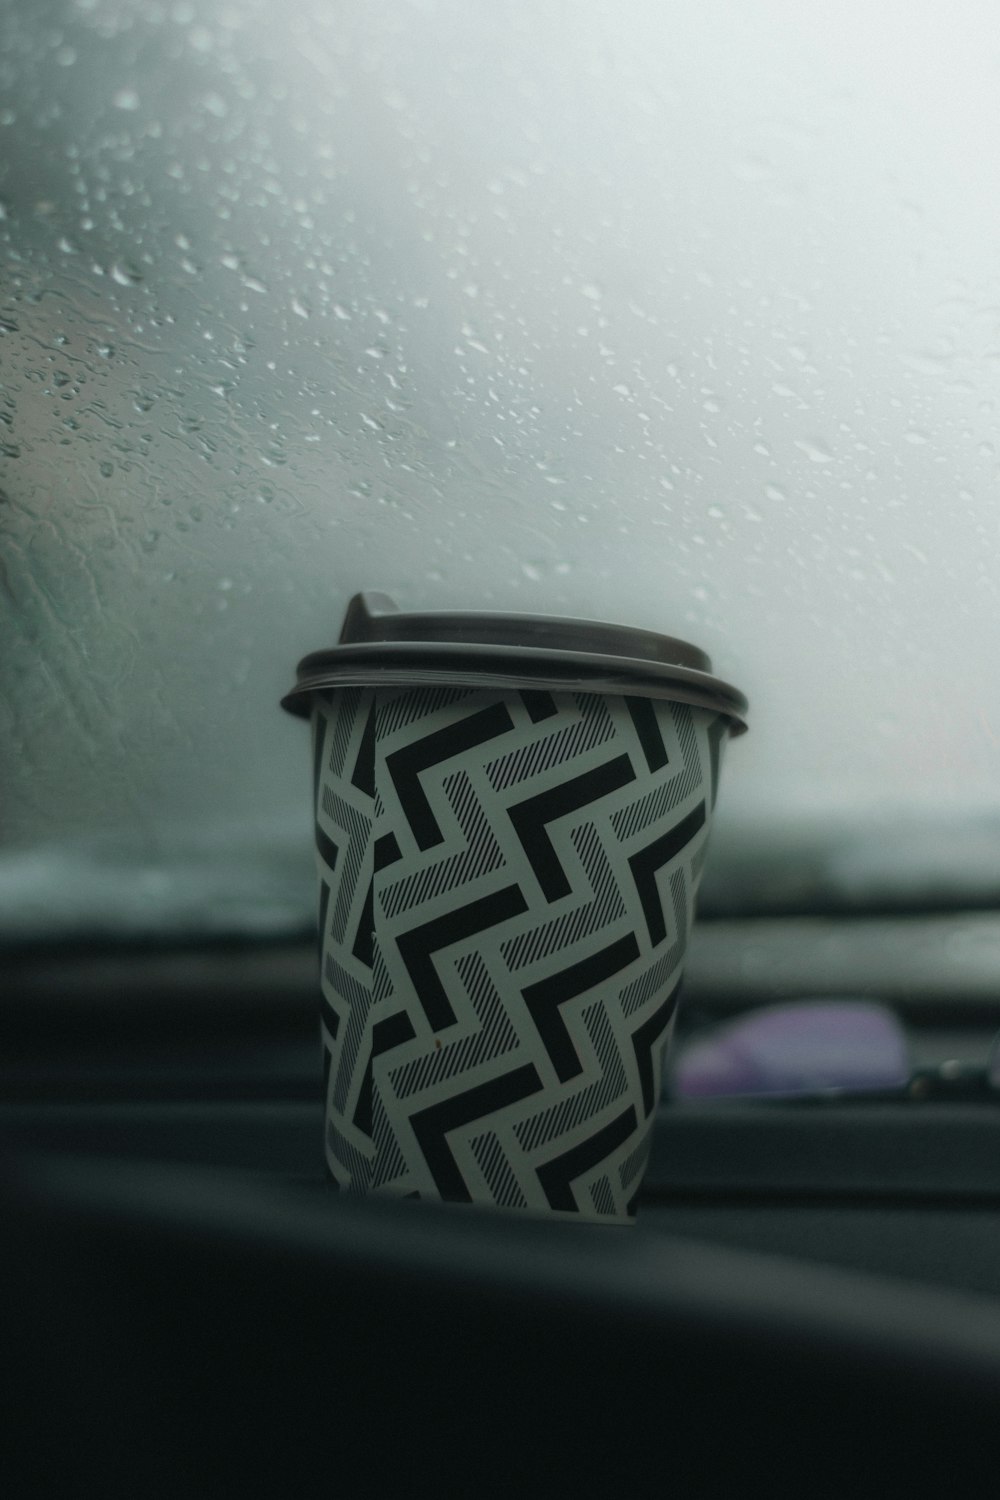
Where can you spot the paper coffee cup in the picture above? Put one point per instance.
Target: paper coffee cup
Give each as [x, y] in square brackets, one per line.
[512, 817]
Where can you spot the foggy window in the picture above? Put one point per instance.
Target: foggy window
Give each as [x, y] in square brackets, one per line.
[679, 316]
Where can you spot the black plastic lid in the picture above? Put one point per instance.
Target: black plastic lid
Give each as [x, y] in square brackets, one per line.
[381, 645]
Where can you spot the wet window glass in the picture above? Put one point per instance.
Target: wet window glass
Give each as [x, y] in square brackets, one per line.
[682, 317]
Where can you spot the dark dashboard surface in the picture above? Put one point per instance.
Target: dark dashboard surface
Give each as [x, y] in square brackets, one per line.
[182, 1283]
[210, 1059]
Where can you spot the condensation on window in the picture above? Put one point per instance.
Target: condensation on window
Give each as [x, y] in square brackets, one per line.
[680, 316]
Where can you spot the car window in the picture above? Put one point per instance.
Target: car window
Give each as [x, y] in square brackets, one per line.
[684, 317]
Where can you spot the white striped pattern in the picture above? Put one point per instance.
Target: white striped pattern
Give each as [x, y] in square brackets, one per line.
[359, 827]
[604, 1198]
[342, 714]
[642, 989]
[496, 1169]
[481, 854]
[389, 1160]
[593, 727]
[413, 703]
[495, 1036]
[359, 1004]
[588, 1101]
[607, 906]
[635, 1162]
[381, 978]
[344, 1151]
[654, 807]
[506, 1150]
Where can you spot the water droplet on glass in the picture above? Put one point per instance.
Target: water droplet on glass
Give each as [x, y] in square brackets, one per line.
[815, 450]
[107, 469]
[916, 436]
[928, 363]
[125, 273]
[775, 492]
[126, 98]
[621, 389]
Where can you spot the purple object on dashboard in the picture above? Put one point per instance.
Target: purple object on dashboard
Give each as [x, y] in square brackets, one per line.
[796, 1048]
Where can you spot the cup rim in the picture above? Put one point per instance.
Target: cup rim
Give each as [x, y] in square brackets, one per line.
[479, 665]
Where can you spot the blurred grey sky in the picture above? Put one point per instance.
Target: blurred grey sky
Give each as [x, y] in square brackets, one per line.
[682, 316]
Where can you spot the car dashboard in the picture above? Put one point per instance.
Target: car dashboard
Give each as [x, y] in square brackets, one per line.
[810, 1291]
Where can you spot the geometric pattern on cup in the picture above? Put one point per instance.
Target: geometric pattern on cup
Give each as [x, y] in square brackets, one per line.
[507, 885]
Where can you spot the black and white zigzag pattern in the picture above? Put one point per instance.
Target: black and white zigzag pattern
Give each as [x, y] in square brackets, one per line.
[507, 884]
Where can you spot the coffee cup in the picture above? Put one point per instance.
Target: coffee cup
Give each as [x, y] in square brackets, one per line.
[512, 816]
